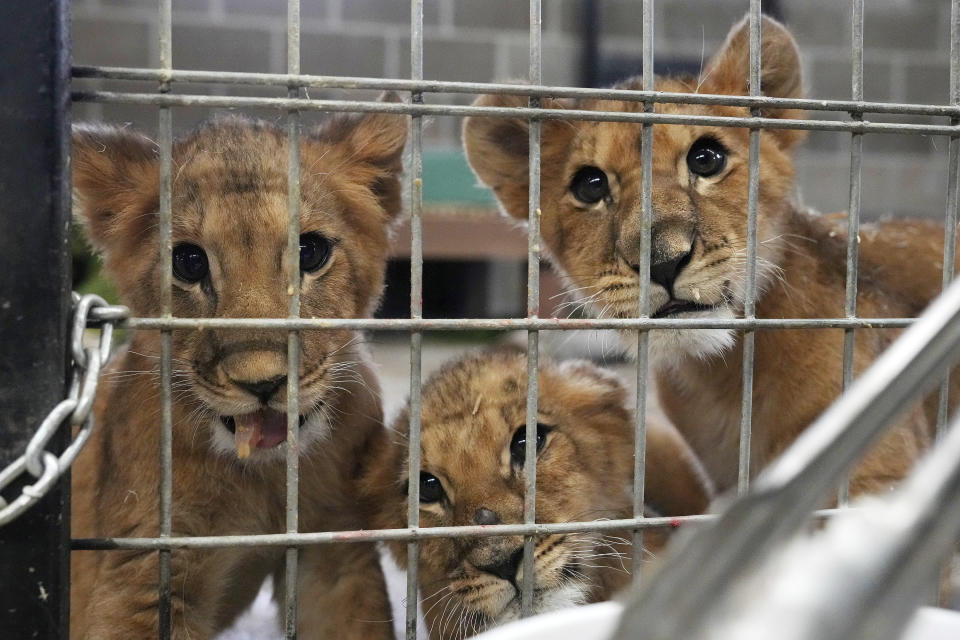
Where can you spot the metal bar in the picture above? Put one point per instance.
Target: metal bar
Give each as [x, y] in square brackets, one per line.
[438, 86]
[378, 535]
[510, 324]
[166, 474]
[165, 142]
[954, 56]
[361, 106]
[533, 310]
[853, 213]
[750, 293]
[643, 310]
[415, 175]
[949, 256]
[922, 524]
[950, 224]
[951, 220]
[861, 576]
[35, 307]
[291, 571]
[412, 533]
[640, 448]
[784, 494]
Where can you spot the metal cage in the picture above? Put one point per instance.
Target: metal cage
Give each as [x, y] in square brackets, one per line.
[161, 79]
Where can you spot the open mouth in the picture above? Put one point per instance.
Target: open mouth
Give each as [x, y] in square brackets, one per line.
[261, 429]
[673, 307]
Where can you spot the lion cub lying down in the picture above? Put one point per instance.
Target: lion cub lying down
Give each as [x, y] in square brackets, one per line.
[591, 222]
[474, 416]
[229, 386]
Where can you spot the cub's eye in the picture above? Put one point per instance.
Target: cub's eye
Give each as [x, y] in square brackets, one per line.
[589, 185]
[190, 263]
[315, 251]
[518, 445]
[430, 488]
[707, 157]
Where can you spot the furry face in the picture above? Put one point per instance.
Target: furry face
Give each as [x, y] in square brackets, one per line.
[591, 191]
[229, 237]
[473, 439]
[591, 221]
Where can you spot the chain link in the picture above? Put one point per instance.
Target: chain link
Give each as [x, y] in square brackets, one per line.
[74, 411]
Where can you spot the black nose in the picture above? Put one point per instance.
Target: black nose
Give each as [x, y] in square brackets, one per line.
[507, 570]
[485, 516]
[263, 389]
[664, 273]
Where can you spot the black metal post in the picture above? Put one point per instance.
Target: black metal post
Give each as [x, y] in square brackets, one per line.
[34, 302]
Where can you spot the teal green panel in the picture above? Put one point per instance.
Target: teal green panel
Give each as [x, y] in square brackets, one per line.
[447, 179]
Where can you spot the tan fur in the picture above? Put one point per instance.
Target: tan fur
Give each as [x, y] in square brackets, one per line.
[471, 410]
[801, 266]
[230, 197]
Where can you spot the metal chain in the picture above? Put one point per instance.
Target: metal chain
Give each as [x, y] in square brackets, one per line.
[74, 411]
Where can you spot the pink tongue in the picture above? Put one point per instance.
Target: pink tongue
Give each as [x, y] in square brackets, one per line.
[261, 429]
[274, 429]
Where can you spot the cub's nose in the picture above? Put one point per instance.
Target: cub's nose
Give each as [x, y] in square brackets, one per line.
[486, 516]
[507, 570]
[664, 273]
[263, 389]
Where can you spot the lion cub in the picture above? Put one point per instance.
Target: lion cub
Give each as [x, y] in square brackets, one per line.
[591, 222]
[473, 439]
[229, 386]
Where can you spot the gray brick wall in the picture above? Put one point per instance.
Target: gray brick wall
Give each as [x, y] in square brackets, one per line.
[906, 59]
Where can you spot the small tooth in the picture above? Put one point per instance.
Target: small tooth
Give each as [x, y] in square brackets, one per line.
[696, 294]
[243, 450]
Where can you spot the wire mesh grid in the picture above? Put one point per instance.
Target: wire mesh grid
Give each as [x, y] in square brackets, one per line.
[295, 103]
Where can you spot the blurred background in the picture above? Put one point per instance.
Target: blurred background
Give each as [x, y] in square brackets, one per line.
[585, 43]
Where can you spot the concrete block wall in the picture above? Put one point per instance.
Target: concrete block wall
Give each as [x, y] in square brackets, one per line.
[906, 60]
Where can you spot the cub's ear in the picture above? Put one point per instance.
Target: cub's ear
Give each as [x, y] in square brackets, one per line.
[498, 149]
[375, 140]
[603, 385]
[115, 183]
[728, 71]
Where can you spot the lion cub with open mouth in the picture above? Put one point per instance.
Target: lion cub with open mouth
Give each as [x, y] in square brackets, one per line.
[229, 230]
[591, 222]
[473, 444]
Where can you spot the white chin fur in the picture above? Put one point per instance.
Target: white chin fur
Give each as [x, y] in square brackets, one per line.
[569, 595]
[315, 429]
[671, 346]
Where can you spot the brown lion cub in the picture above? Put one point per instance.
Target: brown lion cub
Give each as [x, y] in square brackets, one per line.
[229, 386]
[592, 219]
[473, 440]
